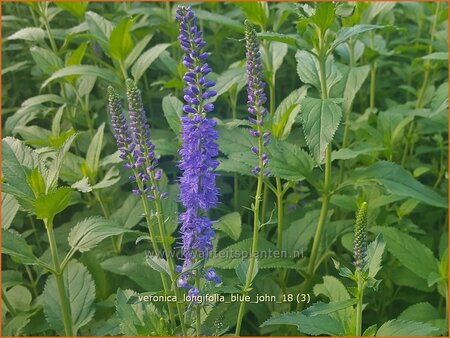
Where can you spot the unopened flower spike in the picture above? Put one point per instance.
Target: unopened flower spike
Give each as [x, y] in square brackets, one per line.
[198, 191]
[360, 241]
[256, 98]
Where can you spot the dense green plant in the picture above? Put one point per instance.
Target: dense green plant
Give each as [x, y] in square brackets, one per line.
[357, 113]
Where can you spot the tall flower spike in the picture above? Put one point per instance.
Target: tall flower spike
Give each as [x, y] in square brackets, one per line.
[119, 124]
[198, 191]
[256, 97]
[360, 241]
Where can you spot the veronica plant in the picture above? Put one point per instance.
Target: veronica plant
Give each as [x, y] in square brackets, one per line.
[198, 191]
[256, 100]
[136, 148]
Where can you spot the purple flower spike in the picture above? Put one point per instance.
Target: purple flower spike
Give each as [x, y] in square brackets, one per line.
[256, 96]
[198, 191]
[119, 124]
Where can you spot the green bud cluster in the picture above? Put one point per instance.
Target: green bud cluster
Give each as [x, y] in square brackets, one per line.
[360, 241]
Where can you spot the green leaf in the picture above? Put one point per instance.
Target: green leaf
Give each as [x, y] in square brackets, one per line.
[324, 15]
[289, 161]
[320, 120]
[19, 297]
[82, 185]
[51, 204]
[135, 268]
[80, 290]
[173, 110]
[398, 327]
[76, 57]
[219, 19]
[146, 59]
[100, 29]
[137, 50]
[320, 308]
[400, 182]
[308, 70]
[297, 236]
[30, 34]
[231, 224]
[91, 231]
[346, 33]
[350, 84]
[94, 150]
[286, 113]
[346, 153]
[436, 56]
[420, 312]
[10, 206]
[17, 161]
[242, 270]
[130, 213]
[15, 246]
[290, 39]
[111, 177]
[374, 255]
[318, 325]
[409, 251]
[80, 70]
[46, 60]
[40, 99]
[120, 41]
[75, 8]
[256, 12]
[52, 175]
[158, 264]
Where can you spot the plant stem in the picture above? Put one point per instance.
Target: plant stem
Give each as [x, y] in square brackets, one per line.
[198, 319]
[59, 277]
[359, 309]
[327, 177]
[152, 234]
[279, 213]
[256, 225]
[8, 304]
[167, 250]
[43, 13]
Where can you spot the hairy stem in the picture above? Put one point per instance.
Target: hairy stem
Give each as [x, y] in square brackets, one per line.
[64, 301]
[359, 305]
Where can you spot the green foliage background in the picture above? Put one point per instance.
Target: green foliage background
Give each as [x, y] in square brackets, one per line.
[385, 116]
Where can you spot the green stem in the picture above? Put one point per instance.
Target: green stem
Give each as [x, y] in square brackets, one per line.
[154, 243]
[43, 13]
[8, 304]
[359, 305]
[254, 249]
[198, 319]
[64, 301]
[167, 250]
[279, 213]
[373, 75]
[327, 176]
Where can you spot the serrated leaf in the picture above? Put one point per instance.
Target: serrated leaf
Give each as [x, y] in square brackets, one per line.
[158, 264]
[320, 120]
[173, 110]
[308, 70]
[288, 161]
[146, 59]
[346, 33]
[374, 254]
[286, 113]
[409, 251]
[398, 327]
[111, 177]
[80, 290]
[420, 312]
[10, 206]
[91, 231]
[82, 185]
[15, 246]
[297, 236]
[318, 325]
[401, 183]
[320, 308]
[243, 268]
[231, 224]
[51, 204]
[130, 213]
[34, 34]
